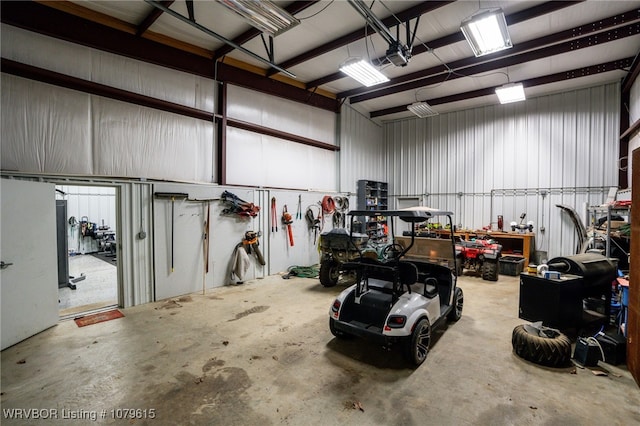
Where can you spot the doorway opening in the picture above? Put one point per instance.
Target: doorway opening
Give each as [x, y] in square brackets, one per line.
[87, 235]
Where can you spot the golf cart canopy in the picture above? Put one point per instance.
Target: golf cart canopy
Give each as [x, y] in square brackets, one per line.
[411, 214]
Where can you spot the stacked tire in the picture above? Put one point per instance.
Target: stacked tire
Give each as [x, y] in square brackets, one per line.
[545, 346]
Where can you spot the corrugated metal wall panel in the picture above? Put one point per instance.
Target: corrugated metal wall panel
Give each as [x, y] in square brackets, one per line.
[362, 154]
[500, 160]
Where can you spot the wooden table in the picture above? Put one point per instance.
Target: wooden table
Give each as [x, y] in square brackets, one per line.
[513, 243]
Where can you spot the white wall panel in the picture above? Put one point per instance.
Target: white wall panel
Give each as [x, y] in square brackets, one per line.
[496, 160]
[152, 80]
[281, 114]
[188, 227]
[265, 161]
[362, 153]
[45, 129]
[136, 254]
[157, 144]
[45, 52]
[107, 68]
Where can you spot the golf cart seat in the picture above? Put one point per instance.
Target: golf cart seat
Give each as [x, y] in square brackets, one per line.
[408, 273]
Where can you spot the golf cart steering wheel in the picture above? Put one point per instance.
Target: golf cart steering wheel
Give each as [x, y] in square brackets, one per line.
[392, 251]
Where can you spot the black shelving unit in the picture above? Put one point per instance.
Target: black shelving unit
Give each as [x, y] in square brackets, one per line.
[374, 195]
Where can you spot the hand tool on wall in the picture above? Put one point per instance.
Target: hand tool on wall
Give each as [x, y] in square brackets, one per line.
[238, 206]
[207, 224]
[299, 212]
[251, 243]
[313, 223]
[173, 196]
[287, 220]
[274, 218]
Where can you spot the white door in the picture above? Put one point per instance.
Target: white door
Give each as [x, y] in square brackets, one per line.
[29, 274]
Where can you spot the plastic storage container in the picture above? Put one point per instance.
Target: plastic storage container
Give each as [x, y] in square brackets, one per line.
[511, 265]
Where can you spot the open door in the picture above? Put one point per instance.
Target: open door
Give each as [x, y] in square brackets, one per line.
[633, 322]
[29, 274]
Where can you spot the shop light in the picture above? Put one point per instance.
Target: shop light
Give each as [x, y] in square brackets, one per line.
[363, 72]
[422, 109]
[486, 32]
[263, 15]
[512, 92]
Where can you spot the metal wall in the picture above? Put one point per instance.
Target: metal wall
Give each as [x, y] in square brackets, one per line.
[362, 152]
[512, 159]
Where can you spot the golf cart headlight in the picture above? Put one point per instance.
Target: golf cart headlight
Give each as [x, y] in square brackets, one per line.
[336, 306]
[396, 321]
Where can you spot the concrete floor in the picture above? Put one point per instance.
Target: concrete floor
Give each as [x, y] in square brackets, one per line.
[97, 290]
[261, 353]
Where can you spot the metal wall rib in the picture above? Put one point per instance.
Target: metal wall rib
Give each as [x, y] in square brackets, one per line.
[362, 150]
[511, 159]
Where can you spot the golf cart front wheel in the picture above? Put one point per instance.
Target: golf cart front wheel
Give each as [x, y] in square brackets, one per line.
[329, 273]
[418, 345]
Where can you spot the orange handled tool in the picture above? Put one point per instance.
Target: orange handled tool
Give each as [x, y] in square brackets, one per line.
[287, 220]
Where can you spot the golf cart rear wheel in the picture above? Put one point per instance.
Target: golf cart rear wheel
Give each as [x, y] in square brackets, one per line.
[552, 351]
[490, 270]
[458, 301]
[329, 273]
[418, 345]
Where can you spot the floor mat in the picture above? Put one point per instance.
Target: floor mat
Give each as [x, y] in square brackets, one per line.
[110, 258]
[99, 317]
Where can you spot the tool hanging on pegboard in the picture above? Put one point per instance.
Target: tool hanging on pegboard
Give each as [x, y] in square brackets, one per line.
[274, 215]
[236, 205]
[313, 222]
[299, 212]
[341, 207]
[287, 220]
[173, 196]
[251, 244]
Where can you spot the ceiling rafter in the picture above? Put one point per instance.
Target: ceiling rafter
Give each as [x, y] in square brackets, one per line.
[52, 22]
[151, 18]
[293, 8]
[405, 15]
[620, 64]
[512, 19]
[506, 61]
[572, 33]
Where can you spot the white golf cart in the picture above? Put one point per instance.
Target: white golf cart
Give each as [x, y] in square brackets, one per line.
[400, 300]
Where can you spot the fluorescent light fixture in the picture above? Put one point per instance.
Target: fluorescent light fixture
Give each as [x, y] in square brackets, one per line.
[486, 32]
[263, 14]
[513, 92]
[363, 71]
[422, 109]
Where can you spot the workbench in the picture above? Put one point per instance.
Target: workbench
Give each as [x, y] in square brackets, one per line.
[513, 243]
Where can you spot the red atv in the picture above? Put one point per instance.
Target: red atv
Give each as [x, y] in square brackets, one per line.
[480, 255]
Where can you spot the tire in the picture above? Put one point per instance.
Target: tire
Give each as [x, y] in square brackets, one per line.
[329, 273]
[458, 301]
[417, 347]
[337, 333]
[553, 351]
[490, 270]
[459, 267]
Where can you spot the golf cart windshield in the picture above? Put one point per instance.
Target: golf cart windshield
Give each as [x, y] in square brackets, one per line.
[435, 250]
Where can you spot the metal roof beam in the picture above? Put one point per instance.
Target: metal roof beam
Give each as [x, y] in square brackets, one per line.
[293, 8]
[405, 15]
[514, 18]
[620, 64]
[151, 18]
[459, 70]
